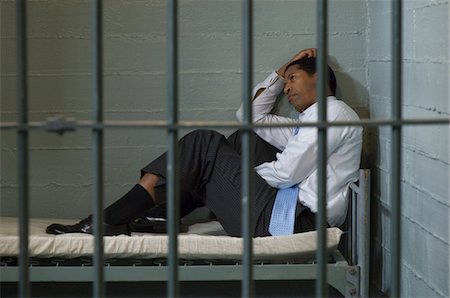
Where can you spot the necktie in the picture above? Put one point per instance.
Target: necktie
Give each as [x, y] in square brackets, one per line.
[283, 213]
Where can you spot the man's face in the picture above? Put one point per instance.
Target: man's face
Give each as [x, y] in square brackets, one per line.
[300, 88]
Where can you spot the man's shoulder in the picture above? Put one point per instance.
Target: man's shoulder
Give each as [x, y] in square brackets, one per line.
[341, 110]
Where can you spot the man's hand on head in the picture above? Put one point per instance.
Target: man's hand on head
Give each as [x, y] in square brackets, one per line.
[311, 52]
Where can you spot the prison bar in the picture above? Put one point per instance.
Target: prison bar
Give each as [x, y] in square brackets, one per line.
[396, 155]
[322, 78]
[247, 287]
[62, 125]
[22, 146]
[173, 285]
[97, 146]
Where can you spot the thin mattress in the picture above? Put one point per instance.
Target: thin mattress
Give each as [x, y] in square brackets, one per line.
[202, 241]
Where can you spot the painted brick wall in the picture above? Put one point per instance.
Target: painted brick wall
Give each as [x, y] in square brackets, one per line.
[135, 81]
[425, 149]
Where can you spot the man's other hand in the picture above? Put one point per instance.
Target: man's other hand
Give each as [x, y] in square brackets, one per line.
[311, 52]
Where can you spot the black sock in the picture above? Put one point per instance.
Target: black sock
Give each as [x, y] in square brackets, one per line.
[129, 207]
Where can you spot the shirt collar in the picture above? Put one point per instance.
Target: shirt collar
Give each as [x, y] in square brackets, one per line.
[313, 108]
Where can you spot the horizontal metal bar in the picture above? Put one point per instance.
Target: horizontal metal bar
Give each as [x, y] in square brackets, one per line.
[159, 273]
[162, 124]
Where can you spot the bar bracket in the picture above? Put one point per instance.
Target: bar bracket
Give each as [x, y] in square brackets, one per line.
[60, 124]
[352, 277]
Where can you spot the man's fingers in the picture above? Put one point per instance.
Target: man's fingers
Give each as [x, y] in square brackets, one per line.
[302, 54]
[312, 52]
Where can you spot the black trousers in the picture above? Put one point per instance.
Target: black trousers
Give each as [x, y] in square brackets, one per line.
[210, 175]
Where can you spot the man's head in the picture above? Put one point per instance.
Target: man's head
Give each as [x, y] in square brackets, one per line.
[300, 83]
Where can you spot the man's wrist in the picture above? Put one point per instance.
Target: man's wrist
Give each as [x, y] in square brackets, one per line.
[281, 70]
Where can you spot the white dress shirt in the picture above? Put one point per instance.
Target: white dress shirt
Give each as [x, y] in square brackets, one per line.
[297, 163]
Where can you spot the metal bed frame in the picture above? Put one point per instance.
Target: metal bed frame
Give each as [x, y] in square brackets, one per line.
[349, 276]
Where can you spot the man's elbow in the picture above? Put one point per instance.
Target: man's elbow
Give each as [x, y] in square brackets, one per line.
[239, 115]
[258, 93]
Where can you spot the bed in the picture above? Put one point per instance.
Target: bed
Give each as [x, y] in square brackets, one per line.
[205, 253]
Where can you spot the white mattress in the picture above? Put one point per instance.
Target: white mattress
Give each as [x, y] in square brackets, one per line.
[192, 245]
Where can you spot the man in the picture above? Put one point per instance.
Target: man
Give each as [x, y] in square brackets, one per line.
[284, 160]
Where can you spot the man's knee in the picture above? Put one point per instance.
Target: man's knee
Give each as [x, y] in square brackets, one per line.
[235, 135]
[238, 134]
[203, 133]
[235, 139]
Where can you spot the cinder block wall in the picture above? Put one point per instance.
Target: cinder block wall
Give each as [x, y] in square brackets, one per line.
[425, 149]
[60, 83]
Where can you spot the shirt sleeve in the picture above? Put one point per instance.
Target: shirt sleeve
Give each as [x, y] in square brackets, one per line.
[261, 108]
[299, 159]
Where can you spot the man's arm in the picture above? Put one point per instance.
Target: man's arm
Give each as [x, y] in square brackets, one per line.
[262, 106]
[299, 158]
[263, 100]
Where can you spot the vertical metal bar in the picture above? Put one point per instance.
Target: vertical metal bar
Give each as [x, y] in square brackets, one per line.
[396, 145]
[322, 69]
[22, 146]
[247, 289]
[173, 287]
[97, 51]
[363, 238]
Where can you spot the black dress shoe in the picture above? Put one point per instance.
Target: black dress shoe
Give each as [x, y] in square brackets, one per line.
[87, 226]
[153, 225]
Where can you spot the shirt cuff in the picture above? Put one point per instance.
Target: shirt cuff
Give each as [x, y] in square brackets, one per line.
[265, 171]
[273, 82]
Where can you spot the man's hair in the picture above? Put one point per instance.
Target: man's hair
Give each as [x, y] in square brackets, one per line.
[308, 64]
